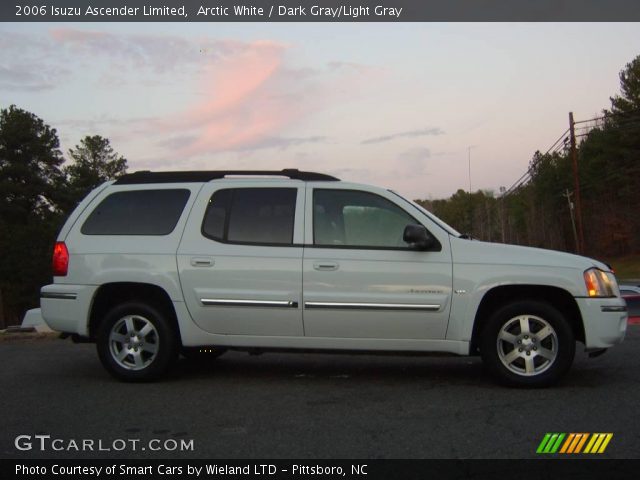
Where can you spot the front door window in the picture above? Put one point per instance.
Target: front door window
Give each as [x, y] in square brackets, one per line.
[348, 218]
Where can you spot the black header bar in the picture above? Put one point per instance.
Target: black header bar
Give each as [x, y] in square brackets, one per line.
[362, 469]
[320, 11]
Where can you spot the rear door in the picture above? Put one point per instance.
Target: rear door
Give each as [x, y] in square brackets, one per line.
[361, 280]
[240, 260]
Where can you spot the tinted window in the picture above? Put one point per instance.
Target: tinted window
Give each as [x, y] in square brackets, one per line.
[141, 212]
[216, 217]
[251, 215]
[357, 219]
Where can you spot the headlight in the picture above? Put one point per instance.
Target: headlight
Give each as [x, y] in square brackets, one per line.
[599, 283]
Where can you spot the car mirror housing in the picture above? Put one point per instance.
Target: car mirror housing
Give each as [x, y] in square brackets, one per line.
[418, 237]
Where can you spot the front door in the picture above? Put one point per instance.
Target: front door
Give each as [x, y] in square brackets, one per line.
[360, 279]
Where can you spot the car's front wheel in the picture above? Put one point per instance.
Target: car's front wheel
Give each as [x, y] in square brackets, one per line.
[527, 343]
[136, 342]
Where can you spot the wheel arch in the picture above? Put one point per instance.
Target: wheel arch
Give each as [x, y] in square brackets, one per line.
[503, 294]
[111, 294]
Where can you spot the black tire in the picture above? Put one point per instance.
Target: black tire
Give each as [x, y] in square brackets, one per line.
[202, 354]
[537, 355]
[154, 339]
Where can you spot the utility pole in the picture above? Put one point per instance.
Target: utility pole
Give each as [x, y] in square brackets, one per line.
[470, 198]
[576, 181]
[502, 192]
[470, 170]
[573, 220]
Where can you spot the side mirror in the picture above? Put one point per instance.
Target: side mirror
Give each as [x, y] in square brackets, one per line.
[417, 237]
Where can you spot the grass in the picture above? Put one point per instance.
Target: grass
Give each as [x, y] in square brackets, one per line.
[627, 267]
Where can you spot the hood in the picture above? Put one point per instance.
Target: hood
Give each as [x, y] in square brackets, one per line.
[477, 252]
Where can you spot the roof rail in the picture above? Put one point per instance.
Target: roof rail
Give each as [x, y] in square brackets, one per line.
[146, 176]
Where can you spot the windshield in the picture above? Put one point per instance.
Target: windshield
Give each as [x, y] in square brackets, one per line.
[447, 228]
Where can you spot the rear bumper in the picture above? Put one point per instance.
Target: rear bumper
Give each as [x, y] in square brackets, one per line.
[33, 319]
[65, 308]
[605, 321]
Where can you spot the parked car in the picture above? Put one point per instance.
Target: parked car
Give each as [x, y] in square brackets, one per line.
[158, 262]
[629, 289]
[631, 295]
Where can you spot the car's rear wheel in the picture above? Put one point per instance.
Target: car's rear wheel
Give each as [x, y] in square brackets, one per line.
[136, 342]
[527, 343]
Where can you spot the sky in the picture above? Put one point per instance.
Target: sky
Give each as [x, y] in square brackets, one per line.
[403, 106]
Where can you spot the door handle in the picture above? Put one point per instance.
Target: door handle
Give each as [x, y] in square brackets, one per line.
[201, 262]
[325, 266]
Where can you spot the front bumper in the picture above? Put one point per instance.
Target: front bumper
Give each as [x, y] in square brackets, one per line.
[65, 308]
[605, 321]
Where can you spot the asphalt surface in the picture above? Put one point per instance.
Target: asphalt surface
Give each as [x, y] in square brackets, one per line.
[310, 405]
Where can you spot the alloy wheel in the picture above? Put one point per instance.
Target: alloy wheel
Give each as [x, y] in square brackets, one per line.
[133, 342]
[527, 345]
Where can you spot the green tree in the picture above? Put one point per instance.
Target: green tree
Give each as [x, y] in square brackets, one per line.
[628, 102]
[30, 162]
[472, 214]
[94, 162]
[609, 159]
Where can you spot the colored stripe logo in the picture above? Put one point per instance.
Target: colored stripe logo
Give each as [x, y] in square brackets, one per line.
[573, 443]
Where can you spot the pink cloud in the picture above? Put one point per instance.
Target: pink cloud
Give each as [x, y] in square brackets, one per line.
[252, 96]
[249, 94]
[242, 101]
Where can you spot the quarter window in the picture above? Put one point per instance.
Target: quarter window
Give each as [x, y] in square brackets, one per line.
[352, 218]
[137, 212]
[262, 216]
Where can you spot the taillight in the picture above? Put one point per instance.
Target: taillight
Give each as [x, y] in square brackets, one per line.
[60, 260]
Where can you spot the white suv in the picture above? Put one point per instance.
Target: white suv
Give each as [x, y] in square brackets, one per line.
[161, 262]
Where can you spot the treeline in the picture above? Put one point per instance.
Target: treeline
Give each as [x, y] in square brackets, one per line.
[539, 212]
[39, 187]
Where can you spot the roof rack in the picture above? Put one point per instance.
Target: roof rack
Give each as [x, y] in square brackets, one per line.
[146, 176]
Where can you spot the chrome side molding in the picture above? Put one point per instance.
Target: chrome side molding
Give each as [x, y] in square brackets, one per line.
[373, 306]
[59, 295]
[248, 303]
[613, 308]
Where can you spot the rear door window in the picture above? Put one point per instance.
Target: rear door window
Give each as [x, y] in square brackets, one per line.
[260, 216]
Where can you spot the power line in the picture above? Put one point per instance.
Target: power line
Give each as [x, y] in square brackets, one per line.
[562, 137]
[609, 115]
[562, 146]
[626, 127]
[526, 176]
[625, 121]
